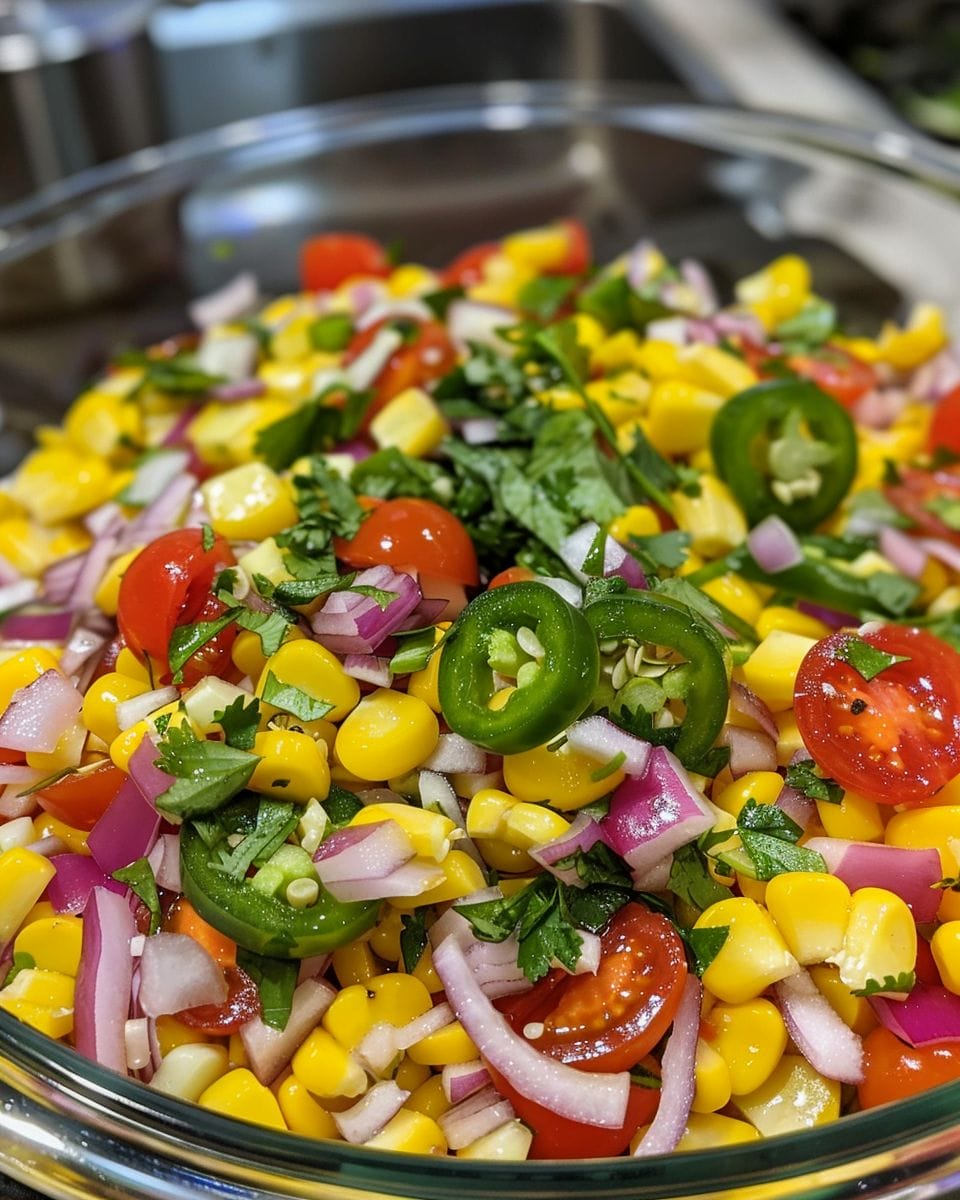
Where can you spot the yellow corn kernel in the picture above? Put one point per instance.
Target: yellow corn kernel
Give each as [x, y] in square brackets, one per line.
[412, 279]
[538, 249]
[58, 484]
[107, 595]
[789, 620]
[945, 945]
[855, 818]
[713, 519]
[424, 683]
[411, 422]
[789, 740]
[128, 664]
[429, 832]
[384, 938]
[429, 1098]
[854, 1011]
[24, 876]
[735, 593]
[503, 858]
[639, 520]
[657, 359]
[487, 813]
[778, 292]
[99, 712]
[617, 352]
[312, 669]
[622, 397]
[924, 336]
[811, 909]
[46, 989]
[394, 998]
[101, 422]
[753, 956]
[425, 973]
[452, 1044]
[771, 670]
[410, 1132]
[528, 825]
[189, 1069]
[509, 1142]
[794, 1097]
[218, 429]
[711, 1131]
[238, 1094]
[751, 1039]
[880, 942]
[291, 342]
[236, 1052]
[123, 747]
[74, 839]
[25, 545]
[293, 766]
[69, 538]
[387, 734]
[712, 1079]
[461, 877]
[251, 502]
[21, 669]
[247, 650]
[680, 416]
[559, 777]
[354, 964]
[53, 1022]
[937, 826]
[715, 369]
[410, 1075]
[590, 332]
[762, 786]
[326, 1068]
[301, 1111]
[172, 1033]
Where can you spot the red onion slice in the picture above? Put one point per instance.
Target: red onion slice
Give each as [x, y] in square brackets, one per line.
[584, 833]
[177, 973]
[454, 755]
[77, 876]
[148, 777]
[616, 560]
[750, 750]
[676, 1093]
[461, 1080]
[234, 299]
[749, 704]
[39, 714]
[50, 626]
[351, 623]
[825, 1041]
[929, 1014]
[102, 1000]
[362, 852]
[394, 307]
[368, 668]
[138, 708]
[593, 1098]
[774, 545]
[911, 874]
[412, 879]
[269, 1050]
[601, 739]
[474, 1117]
[84, 643]
[432, 1021]
[127, 830]
[364, 1120]
[903, 552]
[944, 551]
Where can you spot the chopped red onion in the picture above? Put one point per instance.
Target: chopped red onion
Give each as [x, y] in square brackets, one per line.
[92, 571]
[369, 852]
[454, 755]
[313, 967]
[432, 1021]
[584, 833]
[593, 1098]
[138, 708]
[234, 299]
[364, 1120]
[474, 1117]
[750, 750]
[368, 668]
[937, 376]
[102, 1000]
[49, 846]
[83, 645]
[14, 804]
[148, 777]
[576, 547]
[60, 578]
[155, 473]
[472, 322]
[164, 860]
[903, 552]
[127, 830]
[177, 973]
[358, 448]
[52, 625]
[829, 616]
[268, 1050]
[798, 807]
[77, 876]
[8, 572]
[351, 623]
[910, 874]
[176, 435]
[599, 738]
[164, 514]
[461, 1080]
[639, 263]
[40, 714]
[942, 550]
[655, 878]
[655, 815]
[774, 545]
[929, 1014]
[749, 704]
[880, 407]
[366, 292]
[412, 879]
[678, 1087]
[827, 1043]
[240, 389]
[19, 773]
[20, 592]
[696, 275]
[377, 1051]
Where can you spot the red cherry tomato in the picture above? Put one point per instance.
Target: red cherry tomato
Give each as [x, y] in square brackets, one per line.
[166, 585]
[511, 575]
[559, 1137]
[579, 252]
[611, 1020]
[80, 800]
[895, 737]
[918, 495]
[945, 426]
[467, 268]
[241, 1005]
[893, 1070]
[835, 371]
[416, 533]
[427, 356]
[330, 258]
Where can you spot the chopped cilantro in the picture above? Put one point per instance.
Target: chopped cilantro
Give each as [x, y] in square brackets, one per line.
[208, 536]
[21, 962]
[809, 328]
[705, 944]
[206, 774]
[186, 640]
[545, 295]
[806, 778]
[293, 700]
[439, 301]
[769, 838]
[890, 983]
[413, 938]
[867, 660]
[657, 550]
[239, 722]
[276, 980]
[276, 820]
[947, 508]
[596, 589]
[178, 376]
[341, 807]
[595, 560]
[139, 877]
[313, 427]
[691, 881]
[609, 768]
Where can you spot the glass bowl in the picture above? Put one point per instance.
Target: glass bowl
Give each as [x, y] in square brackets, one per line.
[113, 256]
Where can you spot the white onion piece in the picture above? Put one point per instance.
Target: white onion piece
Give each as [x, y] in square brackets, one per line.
[677, 1070]
[774, 545]
[368, 364]
[18, 593]
[909, 873]
[750, 750]
[469, 784]
[82, 646]
[589, 959]
[903, 552]
[24, 775]
[364, 1120]
[13, 804]
[369, 668]
[937, 376]
[362, 851]
[39, 714]
[164, 860]
[102, 1001]
[406, 308]
[474, 1117]
[480, 431]
[177, 973]
[584, 833]
[564, 588]
[655, 878]
[599, 738]
[827, 1043]
[378, 1050]
[92, 570]
[136, 1038]
[799, 808]
[156, 472]
[669, 329]
[576, 547]
[236, 298]
[164, 514]
[460, 1080]
[454, 755]
[594, 1098]
[268, 1050]
[640, 263]
[138, 708]
[432, 1021]
[697, 276]
[470, 321]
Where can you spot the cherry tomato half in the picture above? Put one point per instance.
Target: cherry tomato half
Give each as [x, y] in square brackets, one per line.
[835, 371]
[919, 495]
[579, 251]
[467, 268]
[611, 1020]
[330, 258]
[945, 426]
[166, 585]
[511, 575]
[81, 799]
[426, 356]
[892, 1070]
[241, 1005]
[895, 737]
[416, 533]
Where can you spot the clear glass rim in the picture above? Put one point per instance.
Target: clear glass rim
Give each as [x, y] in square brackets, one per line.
[91, 199]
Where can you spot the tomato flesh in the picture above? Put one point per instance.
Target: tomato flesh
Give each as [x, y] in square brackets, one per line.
[892, 1070]
[467, 268]
[330, 258]
[511, 575]
[241, 1005]
[895, 737]
[919, 494]
[427, 356]
[945, 426]
[81, 800]
[837, 372]
[413, 532]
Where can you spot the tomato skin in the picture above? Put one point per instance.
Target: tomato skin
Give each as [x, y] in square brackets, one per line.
[511, 575]
[945, 426]
[914, 492]
[166, 585]
[611, 1020]
[835, 371]
[428, 356]
[413, 532]
[467, 268]
[892, 1070]
[241, 1005]
[579, 251]
[81, 800]
[330, 258]
[559, 1137]
[903, 742]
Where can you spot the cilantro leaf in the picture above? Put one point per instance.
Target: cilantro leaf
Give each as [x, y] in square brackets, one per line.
[705, 944]
[691, 881]
[276, 820]
[208, 536]
[179, 376]
[271, 628]
[599, 864]
[904, 982]
[313, 427]
[239, 722]
[276, 980]
[618, 306]
[658, 550]
[947, 508]
[806, 778]
[139, 877]
[413, 938]
[341, 806]
[545, 295]
[331, 332]
[867, 660]
[415, 650]
[769, 838]
[809, 328]
[561, 343]
[21, 962]
[186, 640]
[293, 700]
[206, 774]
